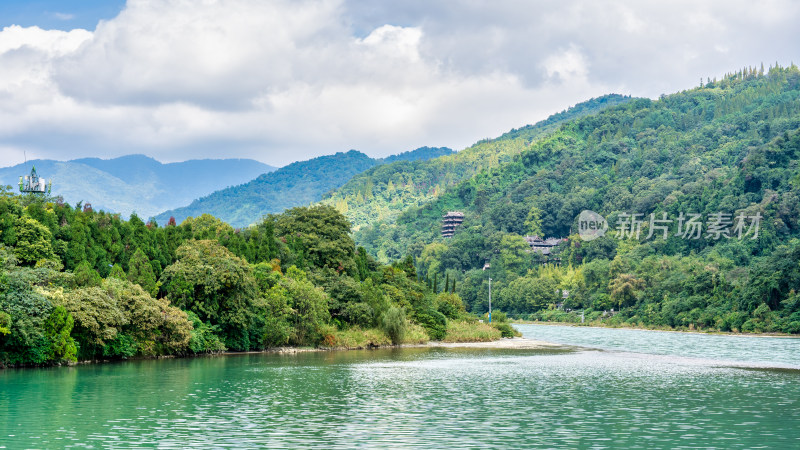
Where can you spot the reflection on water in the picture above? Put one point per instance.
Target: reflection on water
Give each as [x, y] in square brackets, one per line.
[416, 397]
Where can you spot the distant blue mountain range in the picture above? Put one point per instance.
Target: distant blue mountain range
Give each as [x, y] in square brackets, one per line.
[298, 184]
[136, 183]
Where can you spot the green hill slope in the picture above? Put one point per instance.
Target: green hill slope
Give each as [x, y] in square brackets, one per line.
[731, 147]
[383, 192]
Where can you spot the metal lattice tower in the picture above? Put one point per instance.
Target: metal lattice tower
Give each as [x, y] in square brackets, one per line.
[33, 184]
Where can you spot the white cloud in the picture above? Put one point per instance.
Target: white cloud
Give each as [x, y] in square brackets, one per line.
[63, 16]
[286, 80]
[568, 66]
[49, 42]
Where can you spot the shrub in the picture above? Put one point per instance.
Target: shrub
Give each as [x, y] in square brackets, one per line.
[732, 321]
[792, 327]
[203, 336]
[394, 324]
[124, 346]
[434, 322]
[505, 329]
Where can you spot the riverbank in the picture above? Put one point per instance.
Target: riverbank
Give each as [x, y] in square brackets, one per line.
[670, 330]
[515, 343]
[519, 343]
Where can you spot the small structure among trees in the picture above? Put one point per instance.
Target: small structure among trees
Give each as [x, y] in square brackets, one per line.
[450, 221]
[543, 246]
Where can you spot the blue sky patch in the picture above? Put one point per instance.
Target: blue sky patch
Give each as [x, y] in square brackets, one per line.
[58, 14]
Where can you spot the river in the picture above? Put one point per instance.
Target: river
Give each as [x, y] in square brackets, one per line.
[606, 388]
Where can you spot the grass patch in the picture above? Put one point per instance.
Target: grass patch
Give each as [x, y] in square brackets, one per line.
[353, 338]
[462, 331]
[415, 334]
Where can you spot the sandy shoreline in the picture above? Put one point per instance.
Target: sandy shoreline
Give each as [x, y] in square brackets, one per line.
[506, 343]
[518, 343]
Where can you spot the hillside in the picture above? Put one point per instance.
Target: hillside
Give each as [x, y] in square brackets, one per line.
[420, 154]
[300, 183]
[136, 182]
[383, 192]
[731, 147]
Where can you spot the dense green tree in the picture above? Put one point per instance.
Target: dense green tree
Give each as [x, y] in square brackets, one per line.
[26, 311]
[154, 325]
[204, 337]
[117, 272]
[97, 318]
[625, 289]
[57, 329]
[85, 275]
[278, 329]
[33, 241]
[533, 223]
[434, 322]
[450, 305]
[308, 305]
[514, 253]
[528, 294]
[140, 271]
[219, 287]
[319, 236]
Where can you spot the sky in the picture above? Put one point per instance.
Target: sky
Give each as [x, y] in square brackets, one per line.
[286, 80]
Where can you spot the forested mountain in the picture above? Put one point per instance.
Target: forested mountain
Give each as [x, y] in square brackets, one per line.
[136, 182]
[728, 150]
[383, 192]
[299, 183]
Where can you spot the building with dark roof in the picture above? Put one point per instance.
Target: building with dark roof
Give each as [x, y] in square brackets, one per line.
[450, 221]
[543, 246]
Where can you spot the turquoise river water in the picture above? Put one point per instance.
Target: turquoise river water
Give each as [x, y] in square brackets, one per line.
[605, 388]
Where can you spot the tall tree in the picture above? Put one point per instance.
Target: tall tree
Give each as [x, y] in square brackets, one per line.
[140, 271]
[33, 241]
[319, 236]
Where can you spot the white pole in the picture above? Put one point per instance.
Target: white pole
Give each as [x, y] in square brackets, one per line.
[490, 299]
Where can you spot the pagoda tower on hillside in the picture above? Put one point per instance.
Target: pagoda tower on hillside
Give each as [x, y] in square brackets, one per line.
[450, 221]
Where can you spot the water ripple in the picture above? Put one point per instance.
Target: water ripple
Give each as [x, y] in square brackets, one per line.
[409, 398]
